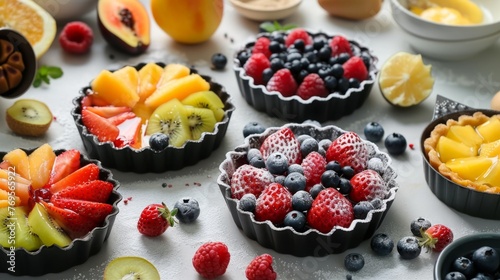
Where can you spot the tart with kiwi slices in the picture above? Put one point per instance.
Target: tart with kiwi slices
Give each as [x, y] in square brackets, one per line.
[29, 117]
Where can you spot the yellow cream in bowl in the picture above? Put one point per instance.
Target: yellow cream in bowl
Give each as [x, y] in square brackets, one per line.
[452, 12]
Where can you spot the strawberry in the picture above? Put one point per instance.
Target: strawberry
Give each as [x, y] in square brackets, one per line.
[282, 141]
[262, 46]
[99, 126]
[283, 82]
[296, 34]
[273, 204]
[108, 111]
[76, 37]
[249, 179]
[74, 224]
[261, 268]
[155, 219]
[84, 174]
[312, 85]
[66, 163]
[367, 185]
[255, 66]
[355, 68]
[436, 238]
[330, 209]
[211, 259]
[118, 119]
[340, 44]
[95, 190]
[130, 133]
[313, 165]
[95, 211]
[86, 101]
[349, 150]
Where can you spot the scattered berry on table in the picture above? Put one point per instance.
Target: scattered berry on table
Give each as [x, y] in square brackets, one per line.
[302, 201]
[249, 179]
[282, 81]
[219, 61]
[211, 259]
[159, 141]
[419, 225]
[361, 209]
[76, 37]
[295, 219]
[273, 204]
[367, 185]
[374, 132]
[247, 202]
[465, 266]
[261, 268]
[486, 259]
[155, 219]
[354, 262]
[277, 163]
[436, 237]
[395, 143]
[253, 128]
[295, 182]
[455, 276]
[381, 244]
[188, 210]
[408, 247]
[329, 209]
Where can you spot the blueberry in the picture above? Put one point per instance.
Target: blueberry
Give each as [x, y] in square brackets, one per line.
[267, 74]
[296, 168]
[347, 171]
[337, 71]
[381, 244]
[377, 203]
[375, 164]
[277, 163]
[330, 83]
[247, 202]
[325, 143]
[299, 44]
[330, 179]
[159, 141]
[319, 43]
[343, 57]
[219, 61]
[243, 57]
[188, 210]
[280, 179]
[295, 219]
[465, 266]
[275, 46]
[395, 143]
[252, 128]
[315, 189]
[325, 53]
[342, 85]
[418, 225]
[276, 64]
[482, 276]
[361, 209]
[486, 259]
[303, 137]
[257, 161]
[455, 275]
[302, 200]
[408, 247]
[307, 146]
[333, 165]
[312, 68]
[293, 56]
[295, 182]
[252, 153]
[374, 132]
[366, 60]
[354, 262]
[344, 186]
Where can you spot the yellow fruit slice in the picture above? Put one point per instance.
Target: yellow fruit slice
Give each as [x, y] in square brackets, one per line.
[490, 130]
[449, 149]
[129, 75]
[465, 134]
[41, 161]
[173, 71]
[19, 160]
[31, 20]
[114, 90]
[471, 168]
[405, 80]
[149, 76]
[490, 149]
[491, 177]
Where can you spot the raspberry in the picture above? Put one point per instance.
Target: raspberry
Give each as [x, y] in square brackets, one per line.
[283, 82]
[255, 65]
[211, 259]
[339, 45]
[312, 85]
[260, 268]
[355, 68]
[76, 37]
[262, 46]
[297, 34]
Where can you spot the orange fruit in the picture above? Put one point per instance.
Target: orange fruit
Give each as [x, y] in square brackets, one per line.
[31, 20]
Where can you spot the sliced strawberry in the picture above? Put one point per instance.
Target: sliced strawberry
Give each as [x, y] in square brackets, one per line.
[130, 132]
[367, 185]
[73, 223]
[118, 119]
[66, 163]
[86, 101]
[99, 126]
[314, 166]
[282, 141]
[96, 190]
[349, 150]
[108, 111]
[95, 211]
[249, 179]
[84, 174]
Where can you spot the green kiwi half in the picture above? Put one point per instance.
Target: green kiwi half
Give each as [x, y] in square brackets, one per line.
[206, 99]
[46, 228]
[200, 120]
[130, 267]
[171, 119]
[29, 117]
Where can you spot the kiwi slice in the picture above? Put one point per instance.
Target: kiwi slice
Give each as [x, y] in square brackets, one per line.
[46, 228]
[130, 267]
[170, 118]
[7, 225]
[25, 237]
[29, 117]
[206, 99]
[200, 120]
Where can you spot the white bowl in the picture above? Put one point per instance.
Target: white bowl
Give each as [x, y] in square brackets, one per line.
[433, 30]
[450, 50]
[66, 10]
[263, 13]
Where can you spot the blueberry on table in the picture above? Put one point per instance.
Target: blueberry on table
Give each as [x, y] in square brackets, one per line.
[395, 143]
[354, 262]
[419, 225]
[373, 132]
[159, 141]
[408, 247]
[381, 244]
[252, 128]
[188, 210]
[219, 61]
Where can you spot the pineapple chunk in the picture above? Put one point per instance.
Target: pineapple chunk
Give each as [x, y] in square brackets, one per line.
[490, 130]
[471, 168]
[465, 134]
[491, 177]
[449, 149]
[491, 149]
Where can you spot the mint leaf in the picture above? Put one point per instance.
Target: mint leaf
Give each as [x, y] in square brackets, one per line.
[45, 73]
[270, 27]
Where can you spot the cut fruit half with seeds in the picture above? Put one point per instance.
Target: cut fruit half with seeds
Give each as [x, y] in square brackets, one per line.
[405, 80]
[130, 267]
[170, 119]
[29, 117]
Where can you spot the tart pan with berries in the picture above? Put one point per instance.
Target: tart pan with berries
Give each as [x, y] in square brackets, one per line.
[356, 175]
[57, 209]
[299, 75]
[152, 117]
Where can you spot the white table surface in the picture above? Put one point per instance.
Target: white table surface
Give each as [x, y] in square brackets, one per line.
[473, 82]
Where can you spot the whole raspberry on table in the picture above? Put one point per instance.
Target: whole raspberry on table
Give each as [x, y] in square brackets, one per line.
[211, 259]
[76, 37]
[260, 268]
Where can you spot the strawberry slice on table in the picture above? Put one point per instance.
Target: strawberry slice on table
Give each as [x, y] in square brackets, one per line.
[95, 211]
[368, 185]
[249, 179]
[339, 45]
[65, 163]
[84, 174]
[273, 204]
[73, 223]
[99, 126]
[282, 141]
[436, 238]
[349, 150]
[108, 111]
[95, 190]
[118, 119]
[314, 164]
[330, 209]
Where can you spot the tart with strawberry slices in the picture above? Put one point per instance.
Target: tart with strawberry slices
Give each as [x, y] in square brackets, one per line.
[299, 75]
[331, 223]
[150, 113]
[54, 205]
